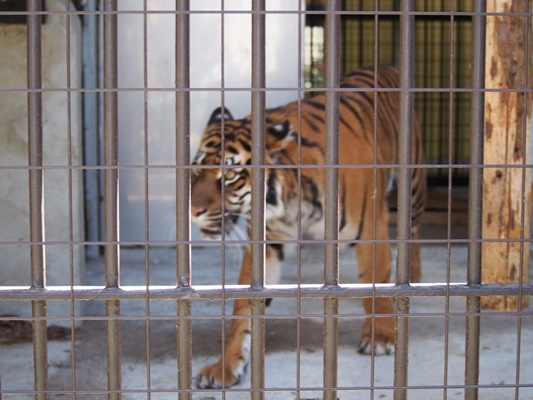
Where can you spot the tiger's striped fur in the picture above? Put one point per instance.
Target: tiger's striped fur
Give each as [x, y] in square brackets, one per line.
[363, 213]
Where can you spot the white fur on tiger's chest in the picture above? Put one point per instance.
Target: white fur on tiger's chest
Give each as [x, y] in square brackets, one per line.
[290, 220]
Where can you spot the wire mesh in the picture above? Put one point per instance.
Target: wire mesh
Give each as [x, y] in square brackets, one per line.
[147, 314]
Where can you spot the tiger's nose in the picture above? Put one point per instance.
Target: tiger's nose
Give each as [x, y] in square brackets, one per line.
[196, 212]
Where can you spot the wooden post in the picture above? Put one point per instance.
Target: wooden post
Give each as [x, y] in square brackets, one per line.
[507, 189]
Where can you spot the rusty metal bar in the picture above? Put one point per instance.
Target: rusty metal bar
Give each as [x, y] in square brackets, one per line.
[230, 292]
[257, 229]
[258, 142]
[91, 118]
[70, 192]
[112, 262]
[407, 76]
[475, 198]
[148, 329]
[331, 195]
[36, 194]
[183, 250]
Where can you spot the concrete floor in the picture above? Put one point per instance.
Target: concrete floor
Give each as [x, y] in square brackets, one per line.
[293, 352]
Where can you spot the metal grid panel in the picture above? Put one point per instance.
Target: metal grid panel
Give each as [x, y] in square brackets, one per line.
[184, 291]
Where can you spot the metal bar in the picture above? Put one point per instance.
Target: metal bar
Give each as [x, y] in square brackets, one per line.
[112, 262]
[147, 202]
[407, 75]
[35, 146]
[524, 200]
[299, 213]
[258, 142]
[70, 191]
[223, 190]
[451, 134]
[331, 195]
[230, 292]
[407, 67]
[90, 56]
[183, 250]
[257, 229]
[36, 194]
[475, 198]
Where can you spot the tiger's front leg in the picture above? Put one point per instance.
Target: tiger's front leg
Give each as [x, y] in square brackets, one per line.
[229, 370]
[374, 267]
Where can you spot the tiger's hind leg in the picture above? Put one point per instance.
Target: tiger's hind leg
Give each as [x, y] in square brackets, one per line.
[229, 370]
[416, 269]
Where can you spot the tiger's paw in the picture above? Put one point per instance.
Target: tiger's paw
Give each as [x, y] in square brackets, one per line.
[380, 349]
[210, 376]
[378, 339]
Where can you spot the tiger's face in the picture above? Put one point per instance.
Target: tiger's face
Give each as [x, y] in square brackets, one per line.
[221, 186]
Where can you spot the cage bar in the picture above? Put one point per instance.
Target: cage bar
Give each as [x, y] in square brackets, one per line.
[36, 194]
[112, 260]
[257, 307]
[183, 249]
[231, 292]
[331, 195]
[407, 79]
[91, 126]
[184, 293]
[148, 327]
[70, 197]
[475, 198]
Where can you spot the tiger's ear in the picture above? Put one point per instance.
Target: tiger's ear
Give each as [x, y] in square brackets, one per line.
[278, 136]
[216, 116]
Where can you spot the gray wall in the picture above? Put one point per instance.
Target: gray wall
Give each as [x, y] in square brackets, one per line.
[206, 71]
[14, 216]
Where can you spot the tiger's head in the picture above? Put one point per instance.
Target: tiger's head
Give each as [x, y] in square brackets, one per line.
[220, 178]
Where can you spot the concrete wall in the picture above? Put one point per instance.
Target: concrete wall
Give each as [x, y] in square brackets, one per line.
[14, 199]
[207, 64]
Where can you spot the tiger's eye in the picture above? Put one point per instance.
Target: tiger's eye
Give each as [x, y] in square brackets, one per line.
[230, 174]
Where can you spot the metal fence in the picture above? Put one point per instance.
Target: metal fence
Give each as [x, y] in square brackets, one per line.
[184, 291]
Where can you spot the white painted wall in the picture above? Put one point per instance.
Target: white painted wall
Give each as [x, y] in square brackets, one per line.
[206, 66]
[14, 210]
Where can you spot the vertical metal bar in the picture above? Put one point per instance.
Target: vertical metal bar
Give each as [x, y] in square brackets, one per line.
[301, 83]
[90, 57]
[112, 262]
[524, 200]
[331, 196]
[258, 196]
[452, 138]
[475, 198]
[407, 66]
[223, 190]
[70, 197]
[183, 248]
[36, 194]
[147, 202]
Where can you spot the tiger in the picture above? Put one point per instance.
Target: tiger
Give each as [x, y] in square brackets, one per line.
[295, 135]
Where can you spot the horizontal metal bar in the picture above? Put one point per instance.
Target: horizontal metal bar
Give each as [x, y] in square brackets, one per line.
[142, 89]
[359, 388]
[273, 390]
[216, 292]
[455, 14]
[282, 89]
[203, 243]
[264, 166]
[356, 314]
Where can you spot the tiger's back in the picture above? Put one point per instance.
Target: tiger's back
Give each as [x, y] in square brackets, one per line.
[368, 136]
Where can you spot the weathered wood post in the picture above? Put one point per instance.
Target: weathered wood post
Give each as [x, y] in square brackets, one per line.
[507, 189]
